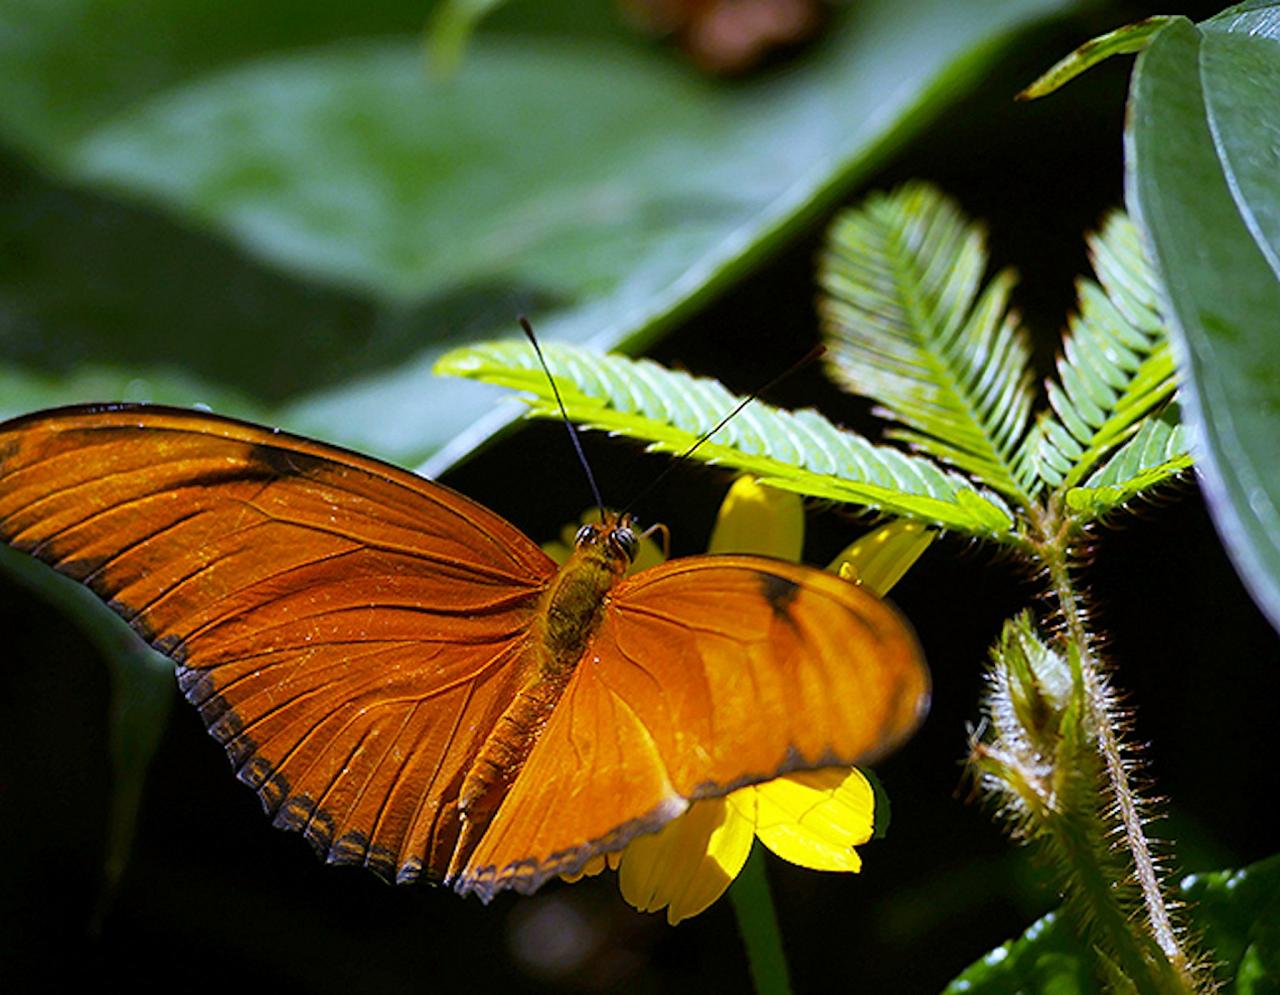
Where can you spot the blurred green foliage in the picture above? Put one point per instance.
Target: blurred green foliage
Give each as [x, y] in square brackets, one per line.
[277, 210]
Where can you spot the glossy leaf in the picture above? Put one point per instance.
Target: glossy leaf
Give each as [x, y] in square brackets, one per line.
[303, 151]
[799, 451]
[1239, 912]
[1202, 171]
[1046, 958]
[1235, 911]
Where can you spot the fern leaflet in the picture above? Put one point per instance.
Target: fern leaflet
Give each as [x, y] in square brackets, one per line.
[907, 325]
[798, 451]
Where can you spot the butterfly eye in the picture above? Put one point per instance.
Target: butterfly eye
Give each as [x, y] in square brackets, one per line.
[625, 539]
[584, 535]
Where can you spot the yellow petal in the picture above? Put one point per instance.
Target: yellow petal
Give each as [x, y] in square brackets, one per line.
[815, 818]
[689, 863]
[878, 560]
[759, 519]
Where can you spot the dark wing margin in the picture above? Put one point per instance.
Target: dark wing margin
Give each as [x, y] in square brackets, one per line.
[349, 631]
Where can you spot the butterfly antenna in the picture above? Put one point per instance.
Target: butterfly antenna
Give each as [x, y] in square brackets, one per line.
[799, 364]
[573, 432]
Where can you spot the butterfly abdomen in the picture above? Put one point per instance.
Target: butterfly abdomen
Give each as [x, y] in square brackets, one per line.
[572, 608]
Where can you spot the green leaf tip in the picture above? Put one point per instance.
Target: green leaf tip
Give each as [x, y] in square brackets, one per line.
[449, 29]
[1127, 40]
[1115, 373]
[1157, 453]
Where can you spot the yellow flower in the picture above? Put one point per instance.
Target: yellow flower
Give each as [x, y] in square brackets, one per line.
[811, 818]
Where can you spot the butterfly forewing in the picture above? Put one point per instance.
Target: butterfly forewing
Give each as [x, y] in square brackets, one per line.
[349, 631]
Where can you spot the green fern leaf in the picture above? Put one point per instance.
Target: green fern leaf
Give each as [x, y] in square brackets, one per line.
[1115, 367]
[906, 324]
[798, 451]
[1155, 453]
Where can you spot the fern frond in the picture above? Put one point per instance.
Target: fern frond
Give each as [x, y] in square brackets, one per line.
[906, 325]
[1114, 370]
[1157, 452]
[798, 451]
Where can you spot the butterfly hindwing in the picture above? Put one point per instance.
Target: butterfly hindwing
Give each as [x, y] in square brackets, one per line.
[706, 674]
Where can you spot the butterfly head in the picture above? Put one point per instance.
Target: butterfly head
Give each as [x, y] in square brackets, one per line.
[616, 539]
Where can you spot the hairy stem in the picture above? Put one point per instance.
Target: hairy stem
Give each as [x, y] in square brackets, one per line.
[1093, 884]
[1127, 804]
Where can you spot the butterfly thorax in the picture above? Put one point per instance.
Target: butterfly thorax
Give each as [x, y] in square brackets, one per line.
[575, 601]
[569, 614]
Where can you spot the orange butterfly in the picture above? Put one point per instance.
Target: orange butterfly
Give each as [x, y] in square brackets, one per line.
[411, 682]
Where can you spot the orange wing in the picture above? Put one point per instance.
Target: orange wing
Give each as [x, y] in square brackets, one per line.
[350, 632]
[707, 674]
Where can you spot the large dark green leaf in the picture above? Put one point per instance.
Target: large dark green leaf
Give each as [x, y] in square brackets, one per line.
[1234, 913]
[274, 208]
[1203, 181]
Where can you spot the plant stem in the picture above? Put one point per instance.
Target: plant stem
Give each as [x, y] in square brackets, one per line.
[758, 924]
[1127, 805]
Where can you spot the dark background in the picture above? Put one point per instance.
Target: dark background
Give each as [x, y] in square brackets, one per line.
[215, 898]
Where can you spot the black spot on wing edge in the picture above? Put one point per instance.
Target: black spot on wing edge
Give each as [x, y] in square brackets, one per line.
[779, 591]
[278, 461]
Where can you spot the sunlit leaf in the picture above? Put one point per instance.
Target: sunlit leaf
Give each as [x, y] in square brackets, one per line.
[1115, 367]
[1157, 453]
[1122, 41]
[800, 451]
[907, 323]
